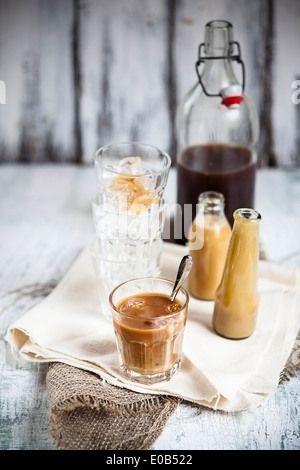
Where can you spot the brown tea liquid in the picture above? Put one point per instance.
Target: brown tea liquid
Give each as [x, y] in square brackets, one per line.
[229, 170]
[149, 336]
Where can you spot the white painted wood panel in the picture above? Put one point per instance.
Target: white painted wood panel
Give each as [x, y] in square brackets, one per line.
[83, 73]
[37, 121]
[123, 55]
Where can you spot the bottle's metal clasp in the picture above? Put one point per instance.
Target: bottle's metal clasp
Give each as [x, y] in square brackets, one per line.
[228, 99]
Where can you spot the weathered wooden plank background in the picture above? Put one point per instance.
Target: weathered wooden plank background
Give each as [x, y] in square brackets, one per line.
[82, 73]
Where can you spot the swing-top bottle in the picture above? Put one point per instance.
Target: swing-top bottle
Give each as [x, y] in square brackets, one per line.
[217, 130]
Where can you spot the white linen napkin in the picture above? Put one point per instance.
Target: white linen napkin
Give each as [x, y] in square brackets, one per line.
[230, 375]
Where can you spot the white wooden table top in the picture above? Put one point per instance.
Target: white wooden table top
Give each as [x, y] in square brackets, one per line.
[45, 217]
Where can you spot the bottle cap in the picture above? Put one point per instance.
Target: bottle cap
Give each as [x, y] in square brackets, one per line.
[232, 96]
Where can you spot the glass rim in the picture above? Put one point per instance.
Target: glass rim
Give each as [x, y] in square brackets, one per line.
[137, 143]
[164, 280]
[247, 213]
[221, 24]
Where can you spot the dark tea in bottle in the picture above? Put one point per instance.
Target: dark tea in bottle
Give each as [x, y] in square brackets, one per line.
[215, 167]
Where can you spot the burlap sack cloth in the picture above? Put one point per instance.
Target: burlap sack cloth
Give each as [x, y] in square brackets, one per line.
[92, 406]
[90, 414]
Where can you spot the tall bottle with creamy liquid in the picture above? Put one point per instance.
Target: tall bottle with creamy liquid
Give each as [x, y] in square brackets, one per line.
[208, 242]
[237, 298]
[216, 130]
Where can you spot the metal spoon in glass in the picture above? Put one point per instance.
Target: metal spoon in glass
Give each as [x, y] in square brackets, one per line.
[182, 273]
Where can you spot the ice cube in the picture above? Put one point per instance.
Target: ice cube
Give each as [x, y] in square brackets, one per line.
[131, 166]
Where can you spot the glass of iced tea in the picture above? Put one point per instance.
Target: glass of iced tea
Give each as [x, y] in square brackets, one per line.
[149, 328]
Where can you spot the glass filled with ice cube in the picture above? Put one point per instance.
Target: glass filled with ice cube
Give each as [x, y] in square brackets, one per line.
[128, 210]
[132, 175]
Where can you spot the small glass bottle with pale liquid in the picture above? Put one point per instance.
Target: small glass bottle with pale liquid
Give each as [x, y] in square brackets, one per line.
[237, 299]
[208, 242]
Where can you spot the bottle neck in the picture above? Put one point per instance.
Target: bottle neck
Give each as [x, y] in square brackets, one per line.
[246, 220]
[217, 211]
[218, 38]
[217, 75]
[217, 60]
[211, 203]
